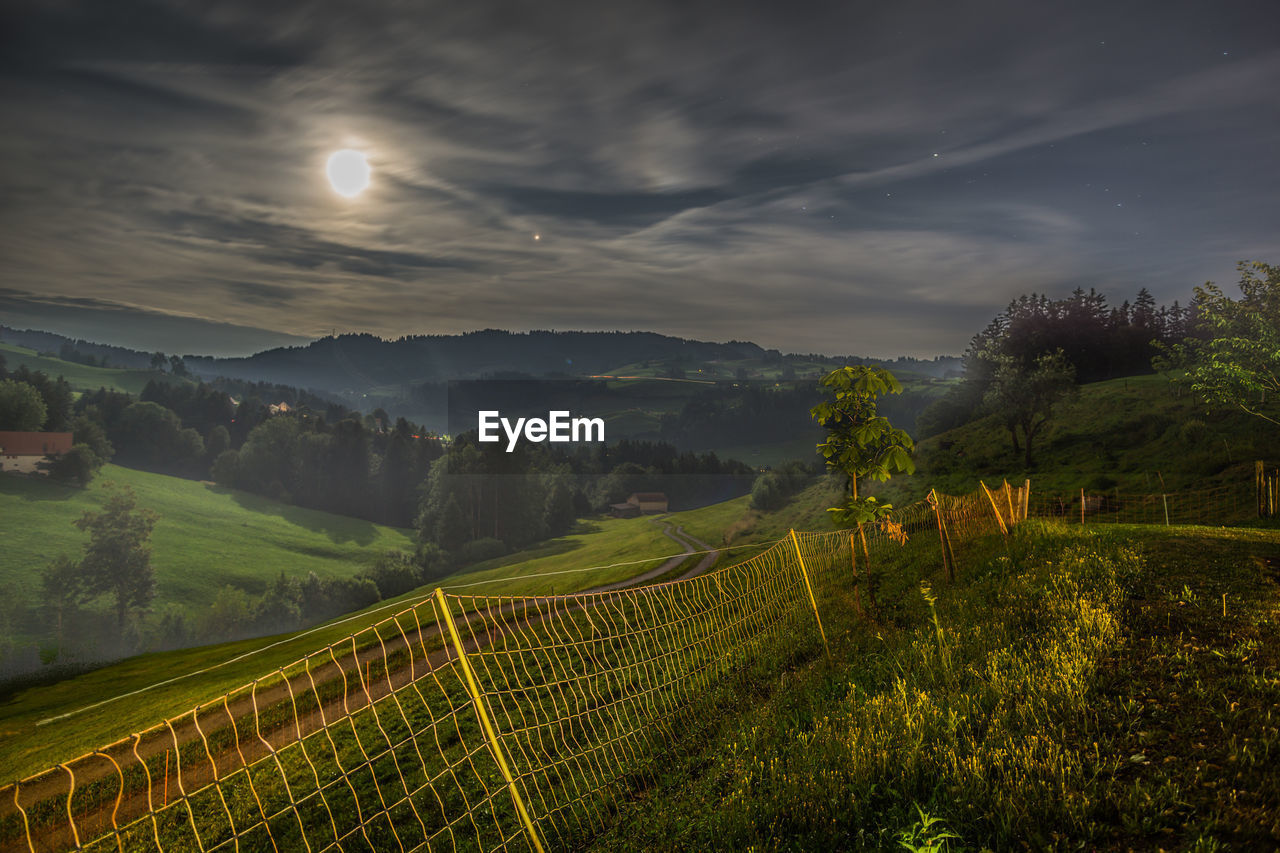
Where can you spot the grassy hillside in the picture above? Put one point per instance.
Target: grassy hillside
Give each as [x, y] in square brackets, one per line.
[207, 536]
[1140, 435]
[81, 376]
[1079, 690]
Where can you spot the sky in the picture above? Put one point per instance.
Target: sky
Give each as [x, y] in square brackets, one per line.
[855, 178]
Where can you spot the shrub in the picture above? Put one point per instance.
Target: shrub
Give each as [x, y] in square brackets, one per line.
[1194, 433]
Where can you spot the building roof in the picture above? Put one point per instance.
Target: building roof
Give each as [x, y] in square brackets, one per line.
[13, 443]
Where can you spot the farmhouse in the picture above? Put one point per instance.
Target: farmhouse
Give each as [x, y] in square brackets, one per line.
[640, 503]
[20, 451]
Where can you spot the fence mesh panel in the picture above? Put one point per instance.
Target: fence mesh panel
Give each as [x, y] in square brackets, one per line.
[478, 722]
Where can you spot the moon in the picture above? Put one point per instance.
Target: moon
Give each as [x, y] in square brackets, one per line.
[348, 172]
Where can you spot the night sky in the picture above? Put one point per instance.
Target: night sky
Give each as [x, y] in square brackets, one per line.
[856, 178]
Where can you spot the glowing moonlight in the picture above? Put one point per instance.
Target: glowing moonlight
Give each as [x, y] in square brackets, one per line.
[348, 172]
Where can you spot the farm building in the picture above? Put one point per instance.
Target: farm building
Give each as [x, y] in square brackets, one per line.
[641, 503]
[21, 451]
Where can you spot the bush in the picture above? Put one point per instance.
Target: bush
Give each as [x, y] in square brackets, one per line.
[1194, 433]
[396, 572]
[77, 465]
[768, 492]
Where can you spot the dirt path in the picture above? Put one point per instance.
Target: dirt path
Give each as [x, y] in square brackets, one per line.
[360, 691]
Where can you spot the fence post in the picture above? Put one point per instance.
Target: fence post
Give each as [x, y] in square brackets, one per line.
[857, 584]
[1008, 498]
[994, 508]
[482, 711]
[1257, 485]
[1165, 499]
[948, 557]
[808, 586]
[1082, 505]
[1026, 499]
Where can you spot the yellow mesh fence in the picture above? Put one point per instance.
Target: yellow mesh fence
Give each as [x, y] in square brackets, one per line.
[478, 722]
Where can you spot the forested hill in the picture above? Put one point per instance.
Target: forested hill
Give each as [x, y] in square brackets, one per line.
[355, 361]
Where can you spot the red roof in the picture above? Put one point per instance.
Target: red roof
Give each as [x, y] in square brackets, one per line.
[34, 443]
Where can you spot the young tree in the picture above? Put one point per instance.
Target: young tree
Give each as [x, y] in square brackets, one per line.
[21, 406]
[859, 442]
[117, 559]
[1024, 396]
[1238, 364]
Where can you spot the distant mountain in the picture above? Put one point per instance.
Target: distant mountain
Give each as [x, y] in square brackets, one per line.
[349, 363]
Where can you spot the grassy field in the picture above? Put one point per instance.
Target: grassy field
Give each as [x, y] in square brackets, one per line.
[81, 376]
[26, 748]
[207, 536]
[1079, 690]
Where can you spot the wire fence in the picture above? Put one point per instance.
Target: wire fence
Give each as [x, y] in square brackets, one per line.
[1227, 504]
[481, 722]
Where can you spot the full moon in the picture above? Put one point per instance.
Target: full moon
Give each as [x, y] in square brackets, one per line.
[348, 172]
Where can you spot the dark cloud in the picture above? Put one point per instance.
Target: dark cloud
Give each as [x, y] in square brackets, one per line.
[848, 177]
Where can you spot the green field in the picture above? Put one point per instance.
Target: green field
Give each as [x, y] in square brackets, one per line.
[207, 536]
[27, 748]
[82, 377]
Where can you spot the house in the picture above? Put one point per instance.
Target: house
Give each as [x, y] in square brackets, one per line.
[640, 503]
[650, 503]
[21, 451]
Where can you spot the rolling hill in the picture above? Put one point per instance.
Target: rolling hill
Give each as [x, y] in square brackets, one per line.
[83, 377]
[1140, 435]
[207, 537]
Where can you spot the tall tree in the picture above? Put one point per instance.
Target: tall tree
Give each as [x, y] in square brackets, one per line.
[21, 406]
[117, 559]
[1237, 363]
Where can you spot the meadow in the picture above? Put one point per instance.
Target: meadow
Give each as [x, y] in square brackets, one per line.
[207, 537]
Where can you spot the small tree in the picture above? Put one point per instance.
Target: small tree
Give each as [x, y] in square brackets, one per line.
[117, 559]
[62, 588]
[1023, 395]
[1238, 364]
[861, 444]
